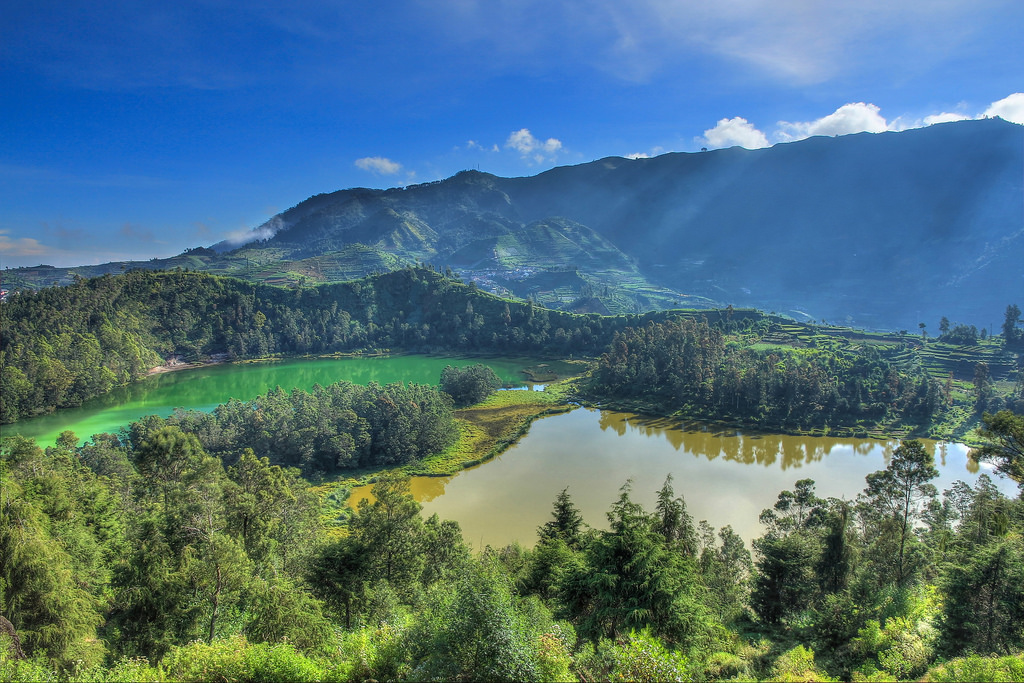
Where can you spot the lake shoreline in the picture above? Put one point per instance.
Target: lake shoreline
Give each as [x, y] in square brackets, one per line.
[175, 364]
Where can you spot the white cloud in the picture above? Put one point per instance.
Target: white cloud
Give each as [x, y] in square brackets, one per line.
[655, 151]
[473, 144]
[379, 165]
[735, 131]
[28, 251]
[944, 117]
[855, 117]
[532, 148]
[1009, 108]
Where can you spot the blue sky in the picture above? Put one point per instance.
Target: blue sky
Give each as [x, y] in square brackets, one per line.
[137, 129]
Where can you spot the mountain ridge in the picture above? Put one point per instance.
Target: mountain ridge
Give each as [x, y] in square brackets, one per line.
[876, 230]
[911, 209]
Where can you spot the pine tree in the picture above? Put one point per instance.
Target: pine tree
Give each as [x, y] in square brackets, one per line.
[566, 522]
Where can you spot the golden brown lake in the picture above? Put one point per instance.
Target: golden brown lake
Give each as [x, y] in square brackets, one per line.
[725, 476]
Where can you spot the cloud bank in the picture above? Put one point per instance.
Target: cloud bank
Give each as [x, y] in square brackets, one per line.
[853, 117]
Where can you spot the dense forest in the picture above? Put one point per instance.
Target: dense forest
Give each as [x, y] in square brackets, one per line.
[688, 363]
[63, 345]
[151, 560]
[338, 427]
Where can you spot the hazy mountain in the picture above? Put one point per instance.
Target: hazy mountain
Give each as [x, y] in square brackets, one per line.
[883, 229]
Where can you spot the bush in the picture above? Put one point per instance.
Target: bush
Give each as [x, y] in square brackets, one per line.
[238, 661]
[797, 665]
[377, 652]
[981, 669]
[25, 670]
[640, 657]
[127, 670]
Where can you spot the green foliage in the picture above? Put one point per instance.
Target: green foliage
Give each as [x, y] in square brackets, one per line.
[565, 524]
[797, 664]
[469, 385]
[52, 542]
[1005, 448]
[960, 335]
[895, 501]
[554, 658]
[689, 365]
[125, 670]
[390, 531]
[474, 630]
[726, 572]
[984, 607]
[234, 659]
[35, 670]
[978, 670]
[629, 578]
[785, 582]
[1011, 335]
[377, 652]
[644, 658]
[63, 345]
[340, 426]
[902, 649]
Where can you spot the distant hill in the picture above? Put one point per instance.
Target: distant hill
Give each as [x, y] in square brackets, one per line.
[875, 230]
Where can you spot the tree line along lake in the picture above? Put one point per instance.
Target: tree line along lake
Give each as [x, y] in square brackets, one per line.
[726, 476]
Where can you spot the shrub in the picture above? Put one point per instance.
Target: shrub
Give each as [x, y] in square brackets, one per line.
[797, 665]
[981, 669]
[236, 660]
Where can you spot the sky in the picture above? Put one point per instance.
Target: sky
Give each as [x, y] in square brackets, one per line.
[134, 129]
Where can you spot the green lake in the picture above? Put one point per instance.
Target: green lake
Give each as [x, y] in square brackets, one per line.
[206, 387]
[725, 476]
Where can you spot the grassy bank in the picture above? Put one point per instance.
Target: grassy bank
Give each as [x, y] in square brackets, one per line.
[486, 430]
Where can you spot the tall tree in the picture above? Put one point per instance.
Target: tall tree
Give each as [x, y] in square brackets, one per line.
[787, 554]
[632, 580]
[392, 529]
[983, 607]
[673, 522]
[899, 493]
[982, 386]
